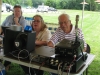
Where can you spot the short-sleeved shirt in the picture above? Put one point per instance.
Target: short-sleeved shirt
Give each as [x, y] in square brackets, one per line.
[10, 21]
[60, 35]
[44, 35]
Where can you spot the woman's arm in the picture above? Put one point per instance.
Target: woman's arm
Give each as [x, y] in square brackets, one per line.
[37, 42]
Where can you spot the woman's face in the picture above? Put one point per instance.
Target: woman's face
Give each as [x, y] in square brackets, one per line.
[37, 23]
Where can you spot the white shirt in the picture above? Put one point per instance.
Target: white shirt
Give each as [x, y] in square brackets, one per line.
[44, 35]
[60, 35]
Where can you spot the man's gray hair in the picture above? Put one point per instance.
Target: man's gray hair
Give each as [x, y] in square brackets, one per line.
[65, 15]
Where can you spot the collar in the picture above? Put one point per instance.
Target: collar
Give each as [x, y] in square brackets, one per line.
[73, 30]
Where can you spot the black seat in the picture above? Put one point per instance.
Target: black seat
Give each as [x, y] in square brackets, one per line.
[88, 48]
[50, 28]
[28, 18]
[55, 29]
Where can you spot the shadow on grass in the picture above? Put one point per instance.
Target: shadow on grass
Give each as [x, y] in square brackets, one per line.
[15, 69]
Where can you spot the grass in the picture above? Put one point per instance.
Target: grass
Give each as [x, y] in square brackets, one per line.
[91, 30]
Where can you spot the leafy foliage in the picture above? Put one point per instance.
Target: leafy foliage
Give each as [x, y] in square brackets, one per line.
[51, 3]
[60, 4]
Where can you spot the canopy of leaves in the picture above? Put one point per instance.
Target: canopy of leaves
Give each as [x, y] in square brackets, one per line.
[59, 4]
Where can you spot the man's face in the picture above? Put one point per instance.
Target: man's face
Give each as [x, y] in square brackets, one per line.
[17, 12]
[64, 23]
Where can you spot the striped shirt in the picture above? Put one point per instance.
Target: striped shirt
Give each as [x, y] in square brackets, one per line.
[60, 35]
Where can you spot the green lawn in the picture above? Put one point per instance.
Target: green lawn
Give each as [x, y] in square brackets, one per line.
[91, 27]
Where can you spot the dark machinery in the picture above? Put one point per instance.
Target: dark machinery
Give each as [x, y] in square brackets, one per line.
[18, 43]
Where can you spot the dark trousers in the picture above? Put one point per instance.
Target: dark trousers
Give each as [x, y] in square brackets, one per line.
[33, 71]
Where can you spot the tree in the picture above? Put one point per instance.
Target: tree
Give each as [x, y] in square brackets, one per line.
[12, 2]
[63, 4]
[28, 3]
[51, 3]
[60, 4]
[37, 2]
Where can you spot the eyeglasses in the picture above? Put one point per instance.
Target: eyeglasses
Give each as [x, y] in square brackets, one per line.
[65, 22]
[36, 21]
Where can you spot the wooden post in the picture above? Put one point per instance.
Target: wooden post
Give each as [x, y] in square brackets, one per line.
[0, 15]
[0, 9]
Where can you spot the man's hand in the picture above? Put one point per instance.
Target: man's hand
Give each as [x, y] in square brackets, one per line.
[16, 19]
[50, 44]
